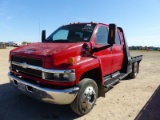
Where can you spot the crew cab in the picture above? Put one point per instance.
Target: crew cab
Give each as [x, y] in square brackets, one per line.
[75, 65]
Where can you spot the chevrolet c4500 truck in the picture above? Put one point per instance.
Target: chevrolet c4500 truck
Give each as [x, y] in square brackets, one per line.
[74, 65]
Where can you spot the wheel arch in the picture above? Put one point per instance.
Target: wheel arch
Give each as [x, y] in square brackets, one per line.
[96, 75]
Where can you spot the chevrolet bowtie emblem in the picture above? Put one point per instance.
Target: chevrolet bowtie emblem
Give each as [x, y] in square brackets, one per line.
[24, 65]
[29, 50]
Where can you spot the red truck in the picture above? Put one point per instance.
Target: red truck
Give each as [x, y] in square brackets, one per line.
[75, 65]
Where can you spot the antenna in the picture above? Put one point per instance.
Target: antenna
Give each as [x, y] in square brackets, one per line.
[38, 30]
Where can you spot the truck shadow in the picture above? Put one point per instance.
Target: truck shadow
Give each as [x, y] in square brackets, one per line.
[126, 78]
[14, 105]
[151, 110]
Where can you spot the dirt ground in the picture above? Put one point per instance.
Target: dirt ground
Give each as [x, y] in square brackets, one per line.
[128, 100]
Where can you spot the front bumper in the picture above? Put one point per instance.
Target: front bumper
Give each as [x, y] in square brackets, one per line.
[55, 96]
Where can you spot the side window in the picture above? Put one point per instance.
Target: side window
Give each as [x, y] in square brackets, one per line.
[117, 39]
[61, 34]
[102, 35]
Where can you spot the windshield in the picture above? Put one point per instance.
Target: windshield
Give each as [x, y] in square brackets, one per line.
[72, 33]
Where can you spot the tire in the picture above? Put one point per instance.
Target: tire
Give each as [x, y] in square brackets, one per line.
[134, 72]
[86, 98]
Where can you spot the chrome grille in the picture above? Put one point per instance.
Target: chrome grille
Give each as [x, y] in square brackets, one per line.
[29, 61]
[27, 71]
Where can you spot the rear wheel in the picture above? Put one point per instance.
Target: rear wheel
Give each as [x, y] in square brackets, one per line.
[86, 97]
[134, 72]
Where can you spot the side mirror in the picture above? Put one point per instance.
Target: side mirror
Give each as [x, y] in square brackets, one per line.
[112, 34]
[43, 36]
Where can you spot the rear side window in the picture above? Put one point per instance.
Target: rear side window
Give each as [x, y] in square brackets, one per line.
[102, 35]
[117, 39]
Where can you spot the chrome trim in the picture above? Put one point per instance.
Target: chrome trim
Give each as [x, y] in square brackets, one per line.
[55, 96]
[25, 65]
[115, 74]
[45, 71]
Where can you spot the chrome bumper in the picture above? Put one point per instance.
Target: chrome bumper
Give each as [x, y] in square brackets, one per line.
[64, 96]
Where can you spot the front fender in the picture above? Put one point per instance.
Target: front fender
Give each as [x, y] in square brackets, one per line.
[88, 65]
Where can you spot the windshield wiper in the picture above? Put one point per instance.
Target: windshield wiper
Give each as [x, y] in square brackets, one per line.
[60, 40]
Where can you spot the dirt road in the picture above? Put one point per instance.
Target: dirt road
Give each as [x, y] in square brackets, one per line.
[128, 100]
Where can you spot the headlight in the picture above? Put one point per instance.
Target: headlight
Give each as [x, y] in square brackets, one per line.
[66, 75]
[61, 77]
[56, 76]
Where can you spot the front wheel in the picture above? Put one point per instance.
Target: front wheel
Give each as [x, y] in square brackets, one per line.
[86, 97]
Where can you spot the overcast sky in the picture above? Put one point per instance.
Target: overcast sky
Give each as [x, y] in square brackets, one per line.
[22, 20]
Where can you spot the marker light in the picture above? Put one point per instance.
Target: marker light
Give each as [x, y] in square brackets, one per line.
[71, 60]
[112, 32]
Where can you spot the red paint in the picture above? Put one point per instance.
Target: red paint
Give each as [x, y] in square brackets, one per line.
[55, 56]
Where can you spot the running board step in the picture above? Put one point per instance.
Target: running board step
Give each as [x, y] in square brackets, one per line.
[111, 80]
[112, 84]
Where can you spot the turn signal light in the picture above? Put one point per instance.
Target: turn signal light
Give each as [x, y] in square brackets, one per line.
[71, 60]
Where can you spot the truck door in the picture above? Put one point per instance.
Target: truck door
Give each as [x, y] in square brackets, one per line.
[117, 52]
[104, 55]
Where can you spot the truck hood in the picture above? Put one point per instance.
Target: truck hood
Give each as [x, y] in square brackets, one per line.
[47, 48]
[53, 53]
